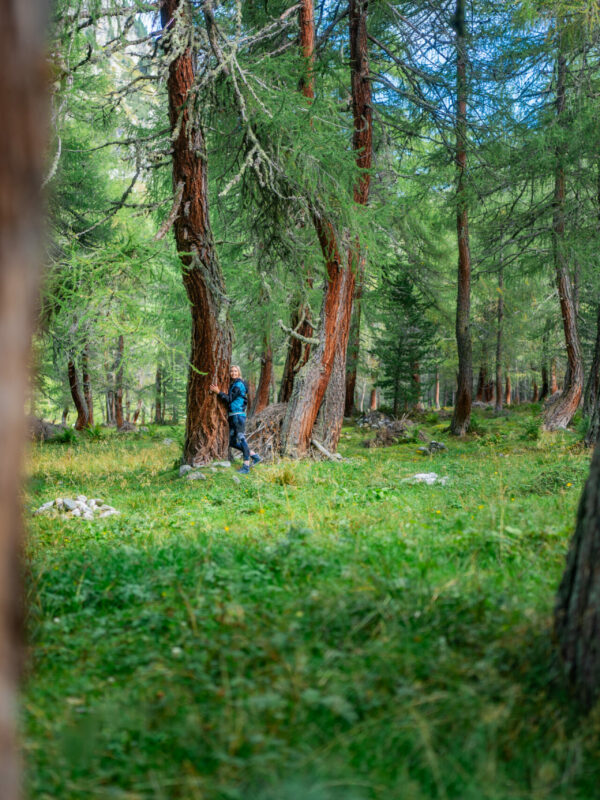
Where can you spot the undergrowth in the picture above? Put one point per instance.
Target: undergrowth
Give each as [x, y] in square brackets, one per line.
[318, 631]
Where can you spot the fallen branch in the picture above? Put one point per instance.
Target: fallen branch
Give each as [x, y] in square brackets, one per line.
[325, 452]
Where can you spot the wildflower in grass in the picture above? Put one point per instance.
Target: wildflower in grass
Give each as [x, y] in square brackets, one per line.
[569, 484]
[226, 527]
[480, 507]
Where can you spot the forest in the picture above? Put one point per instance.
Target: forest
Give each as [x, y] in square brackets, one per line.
[300, 355]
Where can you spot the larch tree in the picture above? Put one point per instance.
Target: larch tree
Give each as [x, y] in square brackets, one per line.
[462, 410]
[560, 413]
[23, 90]
[212, 334]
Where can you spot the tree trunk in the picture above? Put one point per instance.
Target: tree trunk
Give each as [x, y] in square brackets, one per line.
[481, 383]
[261, 399]
[119, 419]
[416, 379]
[298, 351]
[78, 397]
[373, 399]
[127, 406]
[436, 396]
[87, 385]
[206, 435]
[560, 413]
[353, 350]
[593, 382]
[136, 413]
[536, 395]
[158, 408]
[499, 332]
[23, 81]
[326, 368]
[65, 414]
[508, 395]
[462, 410]
[577, 610]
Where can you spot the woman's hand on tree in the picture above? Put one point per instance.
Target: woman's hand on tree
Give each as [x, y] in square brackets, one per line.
[214, 388]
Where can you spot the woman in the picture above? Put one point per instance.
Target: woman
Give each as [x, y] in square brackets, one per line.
[237, 401]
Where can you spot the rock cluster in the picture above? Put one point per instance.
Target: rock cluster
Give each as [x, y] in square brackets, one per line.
[194, 474]
[89, 509]
[430, 478]
[432, 447]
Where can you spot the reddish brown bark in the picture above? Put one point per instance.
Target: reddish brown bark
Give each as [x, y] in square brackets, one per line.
[119, 419]
[87, 384]
[560, 413]
[320, 385]
[206, 421]
[22, 145]
[536, 393]
[307, 43]
[373, 400]
[261, 398]
[136, 413]
[461, 417]
[508, 394]
[78, 397]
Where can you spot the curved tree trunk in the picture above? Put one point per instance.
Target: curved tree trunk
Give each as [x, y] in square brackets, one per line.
[577, 610]
[325, 371]
[23, 83]
[206, 434]
[78, 397]
[461, 417]
[560, 413]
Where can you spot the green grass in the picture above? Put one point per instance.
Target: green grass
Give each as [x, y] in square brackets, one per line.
[320, 631]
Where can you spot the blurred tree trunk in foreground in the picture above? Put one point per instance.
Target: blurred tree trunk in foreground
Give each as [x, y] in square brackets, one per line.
[23, 78]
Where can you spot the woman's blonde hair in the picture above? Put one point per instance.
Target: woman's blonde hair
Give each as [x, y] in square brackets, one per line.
[235, 366]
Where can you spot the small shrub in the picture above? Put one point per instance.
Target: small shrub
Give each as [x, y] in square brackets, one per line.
[68, 436]
[284, 476]
[432, 418]
[95, 432]
[531, 430]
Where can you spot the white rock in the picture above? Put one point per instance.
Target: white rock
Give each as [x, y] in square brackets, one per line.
[45, 507]
[168, 441]
[81, 498]
[88, 515]
[183, 469]
[59, 502]
[224, 464]
[76, 512]
[196, 476]
[426, 477]
[92, 504]
[69, 504]
[109, 512]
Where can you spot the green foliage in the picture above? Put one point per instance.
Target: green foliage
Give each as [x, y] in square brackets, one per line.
[95, 432]
[66, 436]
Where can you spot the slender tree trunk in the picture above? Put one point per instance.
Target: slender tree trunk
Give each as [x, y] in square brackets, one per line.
[545, 390]
[78, 397]
[127, 406]
[508, 394]
[87, 384]
[436, 396]
[416, 379]
[536, 395]
[158, 409]
[206, 434]
[65, 414]
[499, 333]
[353, 350]
[577, 610]
[138, 408]
[462, 410]
[261, 399]
[119, 419]
[373, 399]
[481, 383]
[23, 77]
[593, 382]
[326, 368]
[560, 413]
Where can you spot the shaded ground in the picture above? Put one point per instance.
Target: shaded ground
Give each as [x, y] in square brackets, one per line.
[318, 631]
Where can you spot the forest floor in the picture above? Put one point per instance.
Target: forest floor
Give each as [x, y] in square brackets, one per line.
[320, 631]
